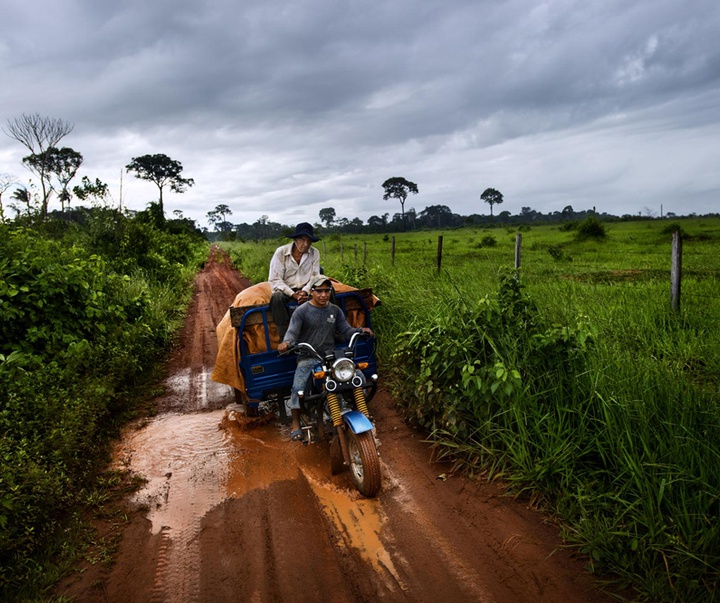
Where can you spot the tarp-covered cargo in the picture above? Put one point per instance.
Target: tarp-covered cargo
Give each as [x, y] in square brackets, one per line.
[255, 337]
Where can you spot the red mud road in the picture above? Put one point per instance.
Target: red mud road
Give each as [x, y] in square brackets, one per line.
[239, 514]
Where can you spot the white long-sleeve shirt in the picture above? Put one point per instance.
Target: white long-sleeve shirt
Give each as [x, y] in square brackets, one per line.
[286, 274]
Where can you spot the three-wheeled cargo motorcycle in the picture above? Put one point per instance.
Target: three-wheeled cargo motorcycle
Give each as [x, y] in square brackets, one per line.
[334, 405]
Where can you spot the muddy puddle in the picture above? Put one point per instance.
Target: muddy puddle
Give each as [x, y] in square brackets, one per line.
[195, 462]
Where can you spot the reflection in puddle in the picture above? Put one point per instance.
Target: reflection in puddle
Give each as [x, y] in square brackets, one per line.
[195, 389]
[183, 457]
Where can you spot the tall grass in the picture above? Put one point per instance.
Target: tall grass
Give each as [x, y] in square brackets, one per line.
[581, 388]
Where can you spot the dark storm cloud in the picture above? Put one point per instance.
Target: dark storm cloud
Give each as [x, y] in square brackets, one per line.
[282, 108]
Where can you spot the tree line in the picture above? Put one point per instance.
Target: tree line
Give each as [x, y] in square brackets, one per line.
[55, 167]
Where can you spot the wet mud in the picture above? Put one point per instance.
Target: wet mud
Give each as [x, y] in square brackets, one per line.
[232, 510]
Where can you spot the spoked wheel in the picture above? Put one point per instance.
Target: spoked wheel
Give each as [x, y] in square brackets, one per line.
[364, 463]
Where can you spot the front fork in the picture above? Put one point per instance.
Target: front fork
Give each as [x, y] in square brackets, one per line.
[336, 416]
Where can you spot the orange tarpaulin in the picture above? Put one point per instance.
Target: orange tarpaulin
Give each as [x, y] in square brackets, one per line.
[228, 358]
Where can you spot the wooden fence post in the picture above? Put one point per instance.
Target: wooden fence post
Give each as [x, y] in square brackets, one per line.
[356, 252]
[675, 271]
[392, 253]
[439, 256]
[364, 252]
[518, 248]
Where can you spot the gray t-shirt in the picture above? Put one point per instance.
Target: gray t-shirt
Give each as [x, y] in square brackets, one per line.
[317, 326]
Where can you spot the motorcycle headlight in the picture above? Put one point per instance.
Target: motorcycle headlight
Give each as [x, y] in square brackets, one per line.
[343, 370]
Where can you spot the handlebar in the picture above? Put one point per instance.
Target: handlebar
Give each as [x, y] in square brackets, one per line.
[298, 346]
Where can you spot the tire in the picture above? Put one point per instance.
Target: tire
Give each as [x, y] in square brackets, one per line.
[364, 463]
[251, 410]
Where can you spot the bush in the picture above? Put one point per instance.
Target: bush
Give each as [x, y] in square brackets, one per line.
[456, 374]
[672, 228]
[591, 228]
[78, 329]
[486, 241]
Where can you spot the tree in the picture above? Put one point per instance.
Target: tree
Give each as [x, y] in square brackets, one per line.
[411, 216]
[327, 215]
[6, 181]
[436, 215]
[24, 196]
[649, 212]
[61, 163]
[399, 188]
[492, 197]
[38, 134]
[161, 170]
[97, 190]
[217, 216]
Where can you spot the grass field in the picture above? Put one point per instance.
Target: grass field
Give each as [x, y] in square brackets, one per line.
[575, 381]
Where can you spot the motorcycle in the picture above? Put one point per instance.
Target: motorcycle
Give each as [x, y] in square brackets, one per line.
[333, 407]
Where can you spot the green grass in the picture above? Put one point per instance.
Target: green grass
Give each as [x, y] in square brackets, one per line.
[613, 422]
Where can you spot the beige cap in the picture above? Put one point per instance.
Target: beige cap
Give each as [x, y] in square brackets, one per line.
[319, 280]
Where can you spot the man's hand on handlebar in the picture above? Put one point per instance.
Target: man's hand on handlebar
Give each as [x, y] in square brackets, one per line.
[283, 347]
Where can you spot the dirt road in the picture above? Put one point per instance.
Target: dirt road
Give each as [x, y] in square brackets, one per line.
[236, 514]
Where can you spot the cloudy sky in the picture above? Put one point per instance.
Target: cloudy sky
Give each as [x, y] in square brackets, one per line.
[282, 108]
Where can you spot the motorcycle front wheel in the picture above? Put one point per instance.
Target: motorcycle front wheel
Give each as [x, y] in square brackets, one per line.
[364, 463]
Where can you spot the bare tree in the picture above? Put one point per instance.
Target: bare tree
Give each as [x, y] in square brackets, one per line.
[6, 181]
[38, 133]
[648, 212]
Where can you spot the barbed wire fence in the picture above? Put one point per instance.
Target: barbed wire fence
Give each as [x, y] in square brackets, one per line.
[700, 263]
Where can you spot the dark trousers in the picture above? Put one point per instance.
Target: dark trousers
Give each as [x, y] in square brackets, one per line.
[279, 311]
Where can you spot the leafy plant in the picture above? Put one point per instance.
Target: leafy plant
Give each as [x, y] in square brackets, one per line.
[78, 330]
[591, 228]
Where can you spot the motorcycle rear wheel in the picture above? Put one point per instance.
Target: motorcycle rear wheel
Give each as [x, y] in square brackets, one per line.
[364, 463]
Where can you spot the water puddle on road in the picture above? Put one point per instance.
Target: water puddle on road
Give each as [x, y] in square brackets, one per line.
[195, 390]
[184, 458]
[193, 462]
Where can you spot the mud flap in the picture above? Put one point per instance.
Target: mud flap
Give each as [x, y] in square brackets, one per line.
[357, 421]
[337, 463]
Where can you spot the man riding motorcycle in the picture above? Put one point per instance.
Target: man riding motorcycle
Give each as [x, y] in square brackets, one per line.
[315, 322]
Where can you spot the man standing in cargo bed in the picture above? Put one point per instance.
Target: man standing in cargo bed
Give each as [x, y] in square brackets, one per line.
[292, 268]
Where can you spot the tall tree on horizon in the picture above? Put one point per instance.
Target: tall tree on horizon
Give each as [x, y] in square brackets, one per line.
[399, 188]
[492, 197]
[161, 170]
[327, 215]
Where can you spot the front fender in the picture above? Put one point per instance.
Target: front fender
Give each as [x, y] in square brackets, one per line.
[357, 421]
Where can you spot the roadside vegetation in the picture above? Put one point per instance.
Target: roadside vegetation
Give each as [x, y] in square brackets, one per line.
[571, 379]
[89, 302]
